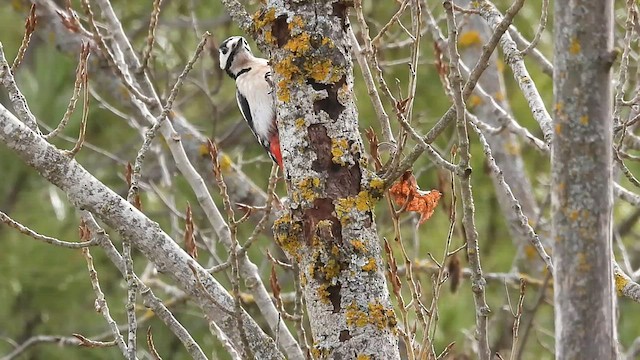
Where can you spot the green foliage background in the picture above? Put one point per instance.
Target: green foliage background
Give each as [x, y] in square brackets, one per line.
[46, 290]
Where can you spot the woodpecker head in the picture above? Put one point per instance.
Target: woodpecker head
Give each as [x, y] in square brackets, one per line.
[234, 54]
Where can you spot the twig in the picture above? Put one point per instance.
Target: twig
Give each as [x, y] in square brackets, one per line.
[151, 36]
[233, 249]
[468, 220]
[93, 343]
[516, 321]
[85, 110]
[152, 347]
[29, 28]
[81, 72]
[49, 240]
[40, 339]
[101, 303]
[541, 25]
[16, 98]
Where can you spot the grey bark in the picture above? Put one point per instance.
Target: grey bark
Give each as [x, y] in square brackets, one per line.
[329, 228]
[582, 180]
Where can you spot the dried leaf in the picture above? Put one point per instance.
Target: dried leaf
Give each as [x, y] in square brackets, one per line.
[405, 193]
[84, 232]
[455, 272]
[273, 280]
[189, 235]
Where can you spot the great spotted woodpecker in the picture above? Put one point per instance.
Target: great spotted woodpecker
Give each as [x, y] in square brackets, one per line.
[253, 92]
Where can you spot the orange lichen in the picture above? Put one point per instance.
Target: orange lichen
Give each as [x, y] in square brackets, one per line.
[405, 193]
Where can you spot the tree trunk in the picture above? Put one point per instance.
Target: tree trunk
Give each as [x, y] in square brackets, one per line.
[582, 180]
[329, 230]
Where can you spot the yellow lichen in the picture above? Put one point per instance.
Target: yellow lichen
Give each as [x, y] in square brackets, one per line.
[264, 17]
[331, 269]
[300, 123]
[287, 235]
[363, 357]
[621, 281]
[358, 245]
[296, 22]
[474, 100]
[574, 48]
[558, 128]
[512, 147]
[469, 38]
[299, 44]
[319, 70]
[338, 150]
[370, 265]
[323, 293]
[328, 42]
[361, 202]
[225, 163]
[377, 315]
[306, 189]
[573, 215]
[584, 120]
[335, 251]
[354, 316]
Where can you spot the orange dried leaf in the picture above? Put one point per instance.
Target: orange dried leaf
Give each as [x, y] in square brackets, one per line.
[405, 193]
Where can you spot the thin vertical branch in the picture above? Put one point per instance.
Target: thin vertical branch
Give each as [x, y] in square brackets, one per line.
[29, 28]
[478, 282]
[151, 36]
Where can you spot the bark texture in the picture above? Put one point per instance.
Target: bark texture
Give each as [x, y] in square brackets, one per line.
[329, 228]
[582, 180]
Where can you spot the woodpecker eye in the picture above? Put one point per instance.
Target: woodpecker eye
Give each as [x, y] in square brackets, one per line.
[224, 49]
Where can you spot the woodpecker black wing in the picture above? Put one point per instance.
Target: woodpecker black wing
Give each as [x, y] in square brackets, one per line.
[243, 104]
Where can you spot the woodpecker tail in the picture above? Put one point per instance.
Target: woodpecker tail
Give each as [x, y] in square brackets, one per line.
[274, 149]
